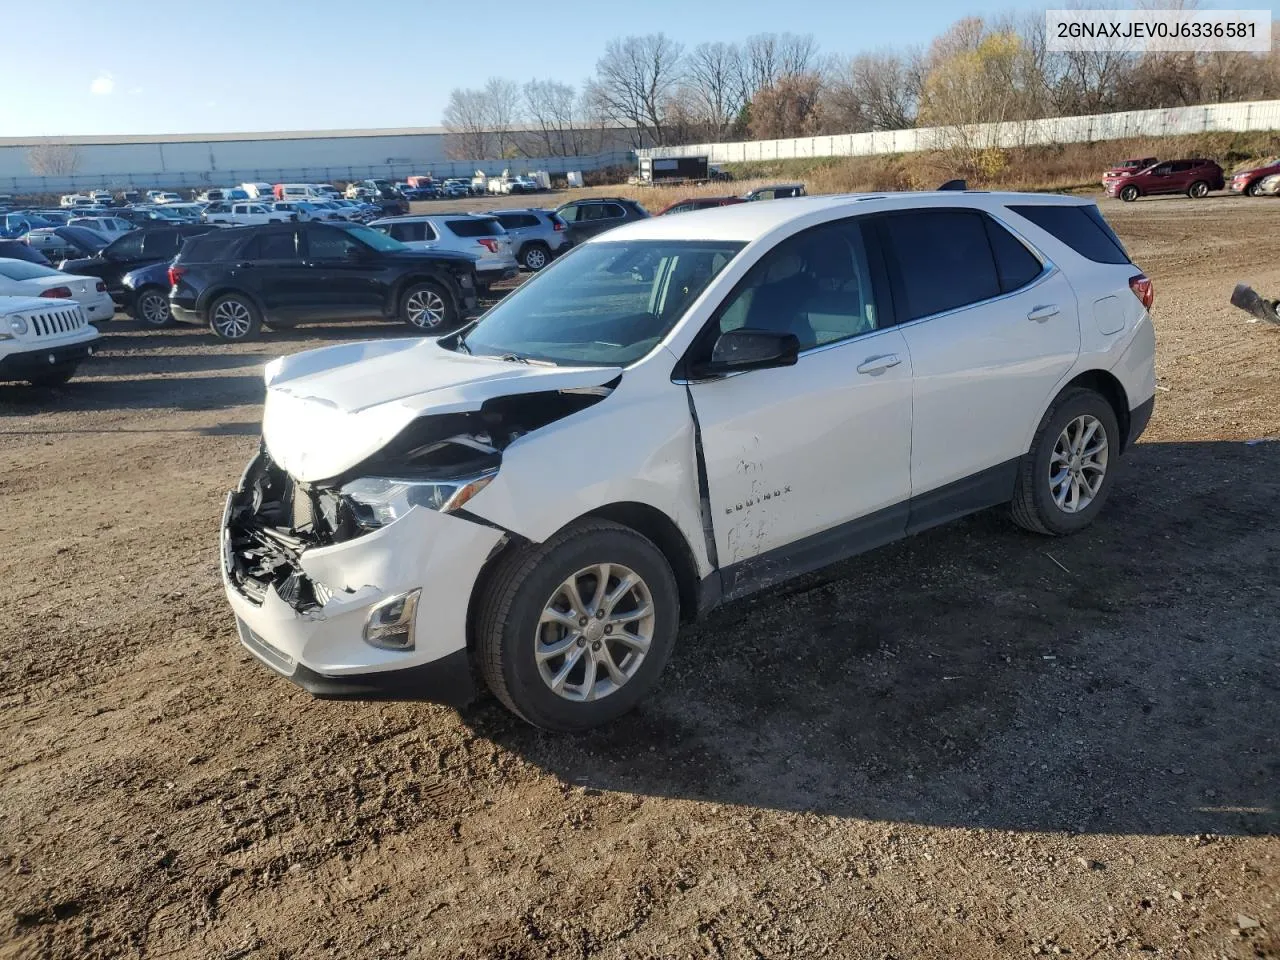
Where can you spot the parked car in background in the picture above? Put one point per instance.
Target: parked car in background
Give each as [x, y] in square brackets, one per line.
[941, 353]
[1194, 177]
[352, 272]
[537, 236]
[1269, 186]
[327, 190]
[109, 227]
[777, 191]
[1126, 168]
[18, 278]
[101, 196]
[19, 250]
[358, 209]
[223, 193]
[62, 243]
[144, 294]
[332, 209]
[479, 236]
[245, 214]
[1248, 181]
[43, 341]
[135, 249]
[166, 196]
[589, 218]
[74, 200]
[697, 203]
[307, 210]
[14, 225]
[125, 197]
[55, 217]
[454, 189]
[258, 190]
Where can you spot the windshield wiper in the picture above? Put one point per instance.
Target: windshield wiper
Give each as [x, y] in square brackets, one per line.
[527, 361]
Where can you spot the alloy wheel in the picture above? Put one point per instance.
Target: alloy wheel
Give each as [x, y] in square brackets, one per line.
[425, 308]
[231, 319]
[154, 309]
[535, 258]
[594, 632]
[1078, 464]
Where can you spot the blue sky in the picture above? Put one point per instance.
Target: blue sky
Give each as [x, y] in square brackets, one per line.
[156, 66]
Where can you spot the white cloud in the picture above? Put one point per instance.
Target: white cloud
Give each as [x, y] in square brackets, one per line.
[135, 90]
[103, 84]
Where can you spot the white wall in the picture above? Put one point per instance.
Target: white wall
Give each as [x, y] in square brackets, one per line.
[1235, 117]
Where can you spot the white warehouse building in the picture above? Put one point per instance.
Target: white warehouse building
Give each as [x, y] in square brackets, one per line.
[217, 159]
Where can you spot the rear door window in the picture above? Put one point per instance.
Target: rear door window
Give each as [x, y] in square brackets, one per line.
[408, 232]
[943, 260]
[127, 247]
[1080, 227]
[278, 245]
[160, 243]
[568, 214]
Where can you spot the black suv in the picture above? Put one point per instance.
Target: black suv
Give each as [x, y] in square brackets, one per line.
[135, 249]
[280, 274]
[587, 218]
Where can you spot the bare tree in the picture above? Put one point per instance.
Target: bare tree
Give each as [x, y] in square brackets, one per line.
[791, 107]
[769, 57]
[51, 159]
[634, 81]
[713, 78]
[553, 109]
[466, 118]
[877, 91]
[502, 103]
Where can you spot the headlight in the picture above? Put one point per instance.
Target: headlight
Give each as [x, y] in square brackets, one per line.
[378, 501]
[18, 325]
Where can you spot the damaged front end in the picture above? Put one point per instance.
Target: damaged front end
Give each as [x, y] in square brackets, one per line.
[437, 462]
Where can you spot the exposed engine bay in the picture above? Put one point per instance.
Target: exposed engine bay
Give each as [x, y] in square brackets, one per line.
[1248, 300]
[273, 518]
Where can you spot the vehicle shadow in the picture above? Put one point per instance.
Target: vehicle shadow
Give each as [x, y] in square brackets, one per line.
[1123, 680]
[156, 393]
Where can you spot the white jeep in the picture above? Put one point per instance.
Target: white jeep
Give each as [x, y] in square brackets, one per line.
[43, 341]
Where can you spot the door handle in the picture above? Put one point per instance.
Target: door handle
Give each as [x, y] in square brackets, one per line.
[244, 265]
[1041, 314]
[876, 365]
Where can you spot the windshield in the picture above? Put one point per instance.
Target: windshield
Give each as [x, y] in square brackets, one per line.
[379, 241]
[22, 270]
[605, 304]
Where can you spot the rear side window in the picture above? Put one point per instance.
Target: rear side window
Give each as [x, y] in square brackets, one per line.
[1080, 227]
[568, 214]
[1015, 264]
[612, 211]
[476, 227]
[944, 260]
[272, 246]
[209, 247]
[515, 221]
[160, 243]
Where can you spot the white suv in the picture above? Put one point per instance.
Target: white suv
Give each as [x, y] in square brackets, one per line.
[480, 236]
[42, 341]
[682, 411]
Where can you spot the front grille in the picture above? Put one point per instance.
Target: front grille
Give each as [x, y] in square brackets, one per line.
[51, 323]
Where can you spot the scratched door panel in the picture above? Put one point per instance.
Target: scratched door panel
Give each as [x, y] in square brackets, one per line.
[793, 451]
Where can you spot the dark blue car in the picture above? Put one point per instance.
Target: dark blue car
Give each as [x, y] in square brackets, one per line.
[146, 294]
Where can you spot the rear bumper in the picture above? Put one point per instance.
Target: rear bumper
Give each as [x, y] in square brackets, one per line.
[185, 314]
[495, 274]
[19, 366]
[1139, 417]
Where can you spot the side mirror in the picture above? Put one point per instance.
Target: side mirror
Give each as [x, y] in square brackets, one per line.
[746, 349]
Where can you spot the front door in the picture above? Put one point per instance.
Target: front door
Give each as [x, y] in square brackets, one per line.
[345, 283]
[808, 463]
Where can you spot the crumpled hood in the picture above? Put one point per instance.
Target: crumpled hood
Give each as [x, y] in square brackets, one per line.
[329, 409]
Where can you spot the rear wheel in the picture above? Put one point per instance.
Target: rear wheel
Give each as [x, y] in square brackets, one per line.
[574, 632]
[1253, 189]
[152, 307]
[427, 306]
[234, 317]
[1198, 190]
[1129, 194]
[535, 256]
[1065, 478]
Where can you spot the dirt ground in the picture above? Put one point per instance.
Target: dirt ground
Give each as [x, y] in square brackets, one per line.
[975, 743]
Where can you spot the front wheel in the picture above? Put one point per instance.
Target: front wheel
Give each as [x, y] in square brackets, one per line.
[1129, 194]
[1065, 478]
[574, 632]
[234, 317]
[1198, 190]
[152, 307]
[1253, 189]
[427, 306]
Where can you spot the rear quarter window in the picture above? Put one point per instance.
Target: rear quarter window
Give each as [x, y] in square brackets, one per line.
[478, 227]
[1080, 227]
[209, 247]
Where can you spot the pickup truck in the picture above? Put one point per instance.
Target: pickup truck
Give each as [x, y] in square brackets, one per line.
[244, 214]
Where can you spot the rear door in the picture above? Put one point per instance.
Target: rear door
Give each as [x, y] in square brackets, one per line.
[992, 328]
[270, 268]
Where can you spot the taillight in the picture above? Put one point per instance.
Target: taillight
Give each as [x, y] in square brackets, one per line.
[1142, 289]
[101, 287]
[489, 243]
[557, 225]
[175, 274]
[57, 293]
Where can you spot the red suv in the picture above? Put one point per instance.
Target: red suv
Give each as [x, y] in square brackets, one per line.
[1248, 181]
[1127, 168]
[1195, 178]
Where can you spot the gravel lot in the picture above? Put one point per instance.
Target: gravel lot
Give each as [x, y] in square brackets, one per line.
[974, 743]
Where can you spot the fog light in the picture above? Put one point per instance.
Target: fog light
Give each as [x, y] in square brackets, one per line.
[390, 623]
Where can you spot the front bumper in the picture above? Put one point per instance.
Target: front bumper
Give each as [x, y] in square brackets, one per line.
[1237, 186]
[19, 366]
[322, 649]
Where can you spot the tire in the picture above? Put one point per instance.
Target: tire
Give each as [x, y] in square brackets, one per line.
[1129, 194]
[1252, 189]
[1077, 414]
[55, 377]
[535, 256]
[151, 306]
[428, 306]
[1198, 190]
[234, 317]
[530, 580]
